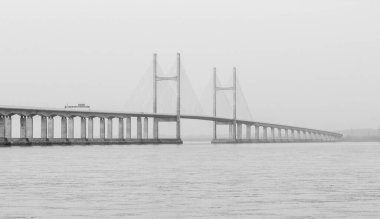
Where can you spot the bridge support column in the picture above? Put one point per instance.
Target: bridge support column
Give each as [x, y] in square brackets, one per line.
[43, 127]
[71, 127]
[128, 127]
[50, 127]
[287, 134]
[109, 128]
[29, 126]
[90, 128]
[2, 126]
[230, 131]
[63, 127]
[234, 102]
[121, 128]
[214, 135]
[102, 128]
[22, 127]
[178, 133]
[265, 133]
[155, 128]
[248, 131]
[139, 128]
[279, 134]
[257, 132]
[83, 128]
[292, 135]
[272, 134]
[146, 128]
[8, 126]
[214, 106]
[239, 131]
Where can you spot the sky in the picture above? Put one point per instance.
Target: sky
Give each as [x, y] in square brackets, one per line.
[304, 63]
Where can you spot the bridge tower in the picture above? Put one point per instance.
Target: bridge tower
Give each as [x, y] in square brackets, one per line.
[233, 89]
[176, 78]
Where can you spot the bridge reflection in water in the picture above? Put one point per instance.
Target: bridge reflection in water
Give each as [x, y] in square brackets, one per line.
[278, 133]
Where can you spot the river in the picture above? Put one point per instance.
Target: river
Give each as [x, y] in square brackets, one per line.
[193, 180]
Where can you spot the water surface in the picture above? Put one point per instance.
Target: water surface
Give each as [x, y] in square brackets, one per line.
[303, 180]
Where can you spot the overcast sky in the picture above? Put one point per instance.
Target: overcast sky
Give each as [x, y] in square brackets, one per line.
[306, 63]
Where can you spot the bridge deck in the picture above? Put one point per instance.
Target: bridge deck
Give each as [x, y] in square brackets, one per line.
[11, 110]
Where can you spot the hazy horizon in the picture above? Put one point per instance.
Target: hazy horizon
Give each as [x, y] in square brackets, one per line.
[309, 64]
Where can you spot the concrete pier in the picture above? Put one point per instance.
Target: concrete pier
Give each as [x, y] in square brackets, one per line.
[128, 128]
[265, 134]
[292, 135]
[146, 128]
[22, 127]
[239, 131]
[50, 127]
[286, 134]
[121, 128]
[230, 131]
[83, 128]
[102, 128]
[155, 128]
[257, 132]
[70, 128]
[2, 126]
[44, 130]
[139, 128]
[29, 126]
[248, 131]
[63, 127]
[109, 128]
[8, 127]
[90, 128]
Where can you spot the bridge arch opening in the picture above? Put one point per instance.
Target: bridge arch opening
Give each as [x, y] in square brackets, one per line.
[37, 126]
[15, 125]
[96, 127]
[222, 131]
[57, 126]
[201, 130]
[167, 130]
[77, 126]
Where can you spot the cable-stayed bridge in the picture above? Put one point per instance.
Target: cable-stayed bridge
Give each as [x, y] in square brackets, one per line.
[48, 126]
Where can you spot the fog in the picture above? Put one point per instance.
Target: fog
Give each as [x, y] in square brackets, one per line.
[303, 63]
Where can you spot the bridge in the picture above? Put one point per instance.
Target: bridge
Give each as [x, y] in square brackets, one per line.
[47, 117]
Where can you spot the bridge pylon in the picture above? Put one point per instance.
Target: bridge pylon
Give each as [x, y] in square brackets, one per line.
[156, 79]
[232, 127]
